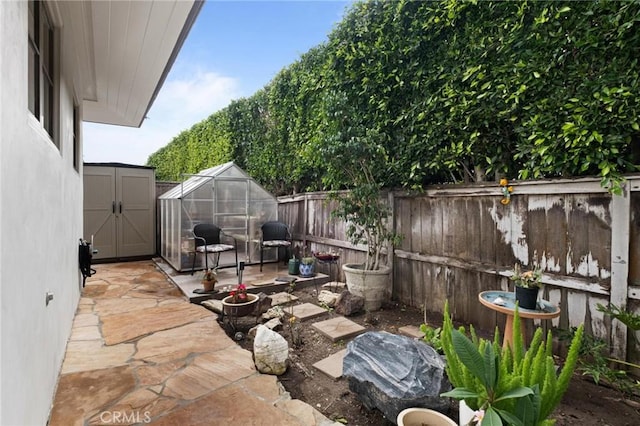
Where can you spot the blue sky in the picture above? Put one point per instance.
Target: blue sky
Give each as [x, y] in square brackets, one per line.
[234, 49]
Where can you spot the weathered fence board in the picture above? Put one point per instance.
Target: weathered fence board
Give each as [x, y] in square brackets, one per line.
[459, 240]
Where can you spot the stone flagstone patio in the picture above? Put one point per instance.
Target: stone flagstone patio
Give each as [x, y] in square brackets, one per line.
[140, 353]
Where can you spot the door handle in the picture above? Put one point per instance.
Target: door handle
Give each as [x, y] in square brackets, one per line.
[120, 207]
[113, 207]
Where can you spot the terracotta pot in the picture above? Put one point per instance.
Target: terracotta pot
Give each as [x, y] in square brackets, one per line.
[208, 285]
[239, 309]
[423, 416]
[527, 297]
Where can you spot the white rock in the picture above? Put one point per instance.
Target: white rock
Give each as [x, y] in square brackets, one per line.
[328, 298]
[270, 351]
[213, 305]
[274, 312]
[273, 323]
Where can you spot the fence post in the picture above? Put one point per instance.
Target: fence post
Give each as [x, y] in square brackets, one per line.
[305, 207]
[620, 232]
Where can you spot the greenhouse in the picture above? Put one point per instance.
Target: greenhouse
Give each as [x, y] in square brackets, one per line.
[224, 196]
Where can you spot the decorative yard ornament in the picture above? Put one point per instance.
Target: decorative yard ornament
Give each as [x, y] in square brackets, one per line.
[506, 191]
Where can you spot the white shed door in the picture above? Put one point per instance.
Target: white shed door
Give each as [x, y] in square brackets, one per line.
[119, 206]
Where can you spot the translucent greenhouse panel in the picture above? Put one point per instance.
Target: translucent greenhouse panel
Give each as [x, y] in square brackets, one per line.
[195, 212]
[231, 211]
[203, 192]
[171, 232]
[164, 228]
[263, 208]
[232, 172]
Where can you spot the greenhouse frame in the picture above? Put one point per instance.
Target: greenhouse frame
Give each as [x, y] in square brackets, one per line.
[226, 196]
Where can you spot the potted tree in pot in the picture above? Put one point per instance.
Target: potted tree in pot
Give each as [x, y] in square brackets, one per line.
[366, 217]
[355, 158]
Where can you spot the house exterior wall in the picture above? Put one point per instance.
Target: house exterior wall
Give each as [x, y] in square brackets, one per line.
[40, 224]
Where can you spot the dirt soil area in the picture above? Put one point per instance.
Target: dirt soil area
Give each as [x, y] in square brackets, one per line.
[585, 403]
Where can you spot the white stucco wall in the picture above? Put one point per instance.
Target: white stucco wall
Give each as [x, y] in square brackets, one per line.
[40, 224]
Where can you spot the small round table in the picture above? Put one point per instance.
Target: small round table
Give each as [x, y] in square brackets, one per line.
[328, 259]
[508, 306]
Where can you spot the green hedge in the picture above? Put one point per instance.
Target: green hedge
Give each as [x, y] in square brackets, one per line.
[450, 91]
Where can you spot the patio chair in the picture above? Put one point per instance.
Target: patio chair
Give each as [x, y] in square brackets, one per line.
[207, 238]
[274, 234]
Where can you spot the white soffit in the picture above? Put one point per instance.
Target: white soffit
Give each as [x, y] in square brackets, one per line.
[135, 43]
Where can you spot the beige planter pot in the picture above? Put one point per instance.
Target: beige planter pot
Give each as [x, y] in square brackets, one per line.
[423, 416]
[373, 286]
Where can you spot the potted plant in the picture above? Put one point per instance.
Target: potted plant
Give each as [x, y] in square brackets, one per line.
[354, 157]
[307, 266]
[209, 280]
[366, 217]
[239, 303]
[518, 387]
[527, 286]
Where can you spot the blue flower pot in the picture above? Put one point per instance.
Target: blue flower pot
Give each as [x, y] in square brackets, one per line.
[306, 270]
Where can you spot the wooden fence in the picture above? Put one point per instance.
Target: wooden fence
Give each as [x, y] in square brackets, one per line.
[459, 240]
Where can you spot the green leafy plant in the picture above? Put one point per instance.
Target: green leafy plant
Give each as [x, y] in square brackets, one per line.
[594, 360]
[631, 320]
[445, 93]
[210, 275]
[526, 279]
[307, 260]
[432, 336]
[515, 386]
[484, 364]
[355, 158]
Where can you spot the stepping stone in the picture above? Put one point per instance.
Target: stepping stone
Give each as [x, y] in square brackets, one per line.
[335, 286]
[261, 283]
[411, 331]
[306, 311]
[332, 365]
[338, 328]
[213, 305]
[282, 298]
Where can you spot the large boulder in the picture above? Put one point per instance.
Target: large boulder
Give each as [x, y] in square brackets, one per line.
[270, 351]
[390, 373]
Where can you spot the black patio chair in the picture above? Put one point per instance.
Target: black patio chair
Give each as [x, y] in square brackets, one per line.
[274, 234]
[208, 239]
